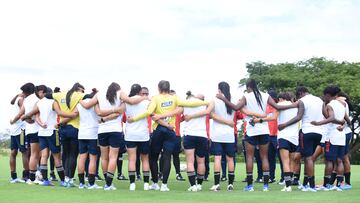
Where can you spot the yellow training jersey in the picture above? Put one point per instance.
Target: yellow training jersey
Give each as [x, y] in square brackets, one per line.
[60, 97]
[164, 103]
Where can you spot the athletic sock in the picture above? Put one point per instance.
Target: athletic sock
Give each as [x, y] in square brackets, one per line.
[105, 175]
[306, 180]
[217, 177]
[312, 181]
[339, 179]
[109, 178]
[231, 177]
[13, 175]
[81, 178]
[326, 180]
[249, 178]
[333, 178]
[287, 178]
[191, 176]
[200, 179]
[32, 175]
[266, 175]
[61, 173]
[347, 178]
[44, 171]
[132, 176]
[146, 175]
[91, 179]
[296, 177]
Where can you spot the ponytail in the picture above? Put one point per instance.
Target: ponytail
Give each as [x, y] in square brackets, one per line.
[225, 89]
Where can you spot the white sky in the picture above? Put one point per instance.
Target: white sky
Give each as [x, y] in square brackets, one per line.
[193, 44]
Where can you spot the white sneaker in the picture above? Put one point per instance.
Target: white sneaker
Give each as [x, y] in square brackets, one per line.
[94, 187]
[111, 187]
[132, 187]
[29, 182]
[146, 186]
[192, 188]
[199, 187]
[215, 188]
[155, 186]
[164, 188]
[82, 186]
[286, 189]
[230, 188]
[16, 180]
[38, 182]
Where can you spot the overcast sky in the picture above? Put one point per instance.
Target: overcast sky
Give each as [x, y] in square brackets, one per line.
[193, 44]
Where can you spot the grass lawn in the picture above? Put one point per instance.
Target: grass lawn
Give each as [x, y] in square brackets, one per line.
[13, 193]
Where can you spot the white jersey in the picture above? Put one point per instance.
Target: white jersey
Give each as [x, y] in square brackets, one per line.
[312, 112]
[220, 132]
[112, 125]
[48, 116]
[347, 129]
[15, 129]
[29, 104]
[290, 133]
[88, 129]
[196, 126]
[335, 136]
[253, 106]
[137, 131]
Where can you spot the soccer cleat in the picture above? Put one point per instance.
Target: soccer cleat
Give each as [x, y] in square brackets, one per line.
[249, 188]
[309, 189]
[155, 186]
[323, 188]
[38, 182]
[230, 188]
[346, 187]
[63, 184]
[111, 187]
[47, 183]
[16, 180]
[301, 187]
[282, 182]
[121, 177]
[71, 183]
[286, 189]
[266, 188]
[164, 188]
[146, 186]
[94, 187]
[215, 188]
[52, 177]
[223, 178]
[192, 188]
[98, 178]
[82, 186]
[199, 187]
[132, 187]
[273, 181]
[29, 182]
[179, 177]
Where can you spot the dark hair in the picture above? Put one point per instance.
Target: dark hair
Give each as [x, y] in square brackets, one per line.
[111, 92]
[225, 89]
[286, 95]
[56, 89]
[332, 90]
[40, 88]
[49, 90]
[145, 88]
[164, 86]
[273, 95]
[135, 89]
[91, 95]
[28, 88]
[189, 94]
[252, 85]
[74, 88]
[343, 94]
[299, 90]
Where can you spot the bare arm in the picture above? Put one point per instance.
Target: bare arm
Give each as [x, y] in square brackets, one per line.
[165, 124]
[12, 102]
[241, 103]
[90, 103]
[110, 117]
[205, 112]
[274, 116]
[280, 107]
[250, 113]
[222, 120]
[38, 121]
[105, 112]
[34, 111]
[178, 110]
[131, 100]
[297, 118]
[71, 115]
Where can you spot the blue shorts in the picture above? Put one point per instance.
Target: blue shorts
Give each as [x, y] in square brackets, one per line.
[33, 138]
[142, 147]
[163, 139]
[52, 142]
[285, 144]
[347, 143]
[200, 144]
[88, 146]
[113, 139]
[301, 136]
[218, 149]
[309, 142]
[258, 139]
[69, 134]
[333, 152]
[19, 142]
[177, 148]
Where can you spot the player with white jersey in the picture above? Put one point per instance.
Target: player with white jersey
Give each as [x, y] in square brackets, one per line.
[287, 139]
[137, 138]
[335, 147]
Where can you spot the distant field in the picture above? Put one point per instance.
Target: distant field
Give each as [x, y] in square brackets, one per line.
[10, 193]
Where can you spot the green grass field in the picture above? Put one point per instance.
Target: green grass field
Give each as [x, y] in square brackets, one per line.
[33, 193]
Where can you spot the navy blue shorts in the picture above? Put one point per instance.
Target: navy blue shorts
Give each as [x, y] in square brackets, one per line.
[113, 139]
[258, 139]
[142, 147]
[285, 144]
[69, 134]
[52, 142]
[301, 136]
[333, 152]
[309, 142]
[19, 142]
[88, 146]
[33, 138]
[163, 139]
[347, 143]
[200, 144]
[218, 149]
[177, 148]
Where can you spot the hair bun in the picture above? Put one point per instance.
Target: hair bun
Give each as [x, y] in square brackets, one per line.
[188, 93]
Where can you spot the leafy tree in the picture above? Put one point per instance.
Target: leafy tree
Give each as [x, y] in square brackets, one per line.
[316, 74]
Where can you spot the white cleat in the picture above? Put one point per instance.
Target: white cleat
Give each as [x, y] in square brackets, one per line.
[17, 180]
[199, 187]
[155, 186]
[94, 187]
[164, 188]
[132, 187]
[193, 188]
[286, 189]
[108, 188]
[146, 186]
[230, 188]
[215, 188]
